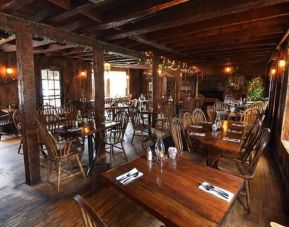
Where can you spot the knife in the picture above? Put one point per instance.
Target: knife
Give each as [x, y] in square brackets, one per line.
[130, 177]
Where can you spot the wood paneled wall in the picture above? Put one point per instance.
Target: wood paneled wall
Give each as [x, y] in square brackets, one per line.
[278, 114]
[73, 84]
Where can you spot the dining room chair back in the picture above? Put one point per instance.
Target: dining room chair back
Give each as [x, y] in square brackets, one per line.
[211, 112]
[229, 99]
[89, 216]
[250, 140]
[138, 124]
[259, 105]
[46, 110]
[198, 116]
[59, 152]
[259, 148]
[186, 120]
[220, 106]
[17, 123]
[115, 136]
[177, 133]
[200, 100]
[249, 117]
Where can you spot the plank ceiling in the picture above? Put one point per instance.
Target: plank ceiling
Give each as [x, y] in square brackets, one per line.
[196, 31]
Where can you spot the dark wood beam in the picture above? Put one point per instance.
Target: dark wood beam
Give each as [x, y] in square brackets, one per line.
[138, 11]
[27, 105]
[99, 84]
[42, 14]
[194, 18]
[8, 39]
[14, 5]
[12, 23]
[264, 15]
[72, 12]
[65, 4]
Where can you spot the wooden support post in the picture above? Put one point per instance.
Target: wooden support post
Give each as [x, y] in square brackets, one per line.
[27, 104]
[99, 84]
[197, 88]
[156, 83]
[177, 86]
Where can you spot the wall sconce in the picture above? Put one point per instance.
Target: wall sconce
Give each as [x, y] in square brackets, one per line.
[106, 66]
[160, 72]
[273, 71]
[83, 74]
[228, 70]
[9, 71]
[281, 63]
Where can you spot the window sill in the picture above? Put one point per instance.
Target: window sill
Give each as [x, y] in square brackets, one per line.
[286, 145]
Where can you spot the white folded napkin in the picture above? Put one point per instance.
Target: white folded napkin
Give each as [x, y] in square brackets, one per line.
[215, 193]
[197, 134]
[234, 131]
[129, 176]
[238, 124]
[73, 129]
[196, 126]
[231, 140]
[207, 122]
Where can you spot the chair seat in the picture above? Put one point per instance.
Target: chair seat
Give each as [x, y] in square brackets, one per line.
[195, 157]
[112, 141]
[234, 167]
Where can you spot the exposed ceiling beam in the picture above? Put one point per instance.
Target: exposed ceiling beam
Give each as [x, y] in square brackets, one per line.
[138, 12]
[72, 12]
[194, 18]
[66, 4]
[8, 39]
[13, 24]
[14, 5]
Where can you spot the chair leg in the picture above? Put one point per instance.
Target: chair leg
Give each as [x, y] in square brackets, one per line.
[80, 166]
[58, 175]
[20, 145]
[248, 195]
[49, 170]
[69, 163]
[132, 136]
[111, 155]
[142, 139]
[125, 157]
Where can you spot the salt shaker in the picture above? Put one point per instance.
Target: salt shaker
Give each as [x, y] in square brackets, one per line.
[149, 154]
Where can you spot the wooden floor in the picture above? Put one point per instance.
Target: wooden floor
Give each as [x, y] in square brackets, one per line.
[41, 205]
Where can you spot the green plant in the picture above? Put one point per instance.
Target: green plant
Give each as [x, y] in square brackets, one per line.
[256, 89]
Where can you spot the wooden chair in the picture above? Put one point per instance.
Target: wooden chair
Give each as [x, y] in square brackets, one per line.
[186, 120]
[198, 116]
[229, 99]
[176, 133]
[259, 105]
[246, 169]
[249, 117]
[247, 144]
[58, 153]
[220, 106]
[115, 136]
[17, 122]
[200, 100]
[163, 122]
[5, 123]
[89, 217]
[138, 125]
[211, 112]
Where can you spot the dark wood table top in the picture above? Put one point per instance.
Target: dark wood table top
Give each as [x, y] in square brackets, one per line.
[216, 139]
[9, 110]
[171, 192]
[86, 129]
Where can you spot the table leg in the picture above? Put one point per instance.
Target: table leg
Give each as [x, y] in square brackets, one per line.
[90, 154]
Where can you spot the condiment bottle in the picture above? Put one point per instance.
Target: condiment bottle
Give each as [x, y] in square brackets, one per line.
[149, 154]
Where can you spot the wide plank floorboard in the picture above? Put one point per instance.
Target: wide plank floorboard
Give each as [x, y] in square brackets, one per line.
[41, 205]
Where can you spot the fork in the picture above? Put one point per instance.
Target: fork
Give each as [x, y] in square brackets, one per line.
[212, 188]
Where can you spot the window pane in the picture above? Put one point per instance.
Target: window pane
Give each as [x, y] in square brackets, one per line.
[56, 75]
[57, 85]
[57, 92]
[51, 84]
[58, 103]
[50, 75]
[45, 84]
[44, 74]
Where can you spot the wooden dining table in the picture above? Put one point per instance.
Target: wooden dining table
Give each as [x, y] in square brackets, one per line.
[215, 140]
[88, 130]
[171, 193]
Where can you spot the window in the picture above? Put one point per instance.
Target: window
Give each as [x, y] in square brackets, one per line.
[51, 89]
[116, 84]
